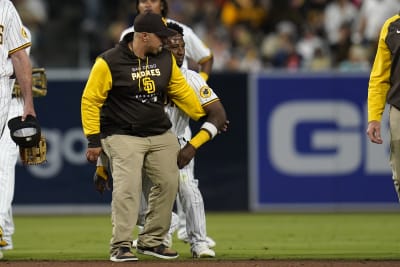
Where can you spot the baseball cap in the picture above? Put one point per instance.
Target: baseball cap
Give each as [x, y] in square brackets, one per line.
[25, 133]
[152, 23]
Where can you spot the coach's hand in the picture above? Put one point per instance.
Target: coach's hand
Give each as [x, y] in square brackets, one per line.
[185, 155]
[93, 153]
[374, 132]
[101, 179]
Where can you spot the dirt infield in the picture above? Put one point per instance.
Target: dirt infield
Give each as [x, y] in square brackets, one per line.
[199, 263]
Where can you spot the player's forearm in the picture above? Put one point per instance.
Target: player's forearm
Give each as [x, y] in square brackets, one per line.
[216, 114]
[23, 72]
[216, 118]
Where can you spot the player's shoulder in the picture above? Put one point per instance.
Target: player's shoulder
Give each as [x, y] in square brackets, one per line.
[6, 5]
[190, 74]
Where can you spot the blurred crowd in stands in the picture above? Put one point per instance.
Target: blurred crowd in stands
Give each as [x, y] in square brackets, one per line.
[244, 35]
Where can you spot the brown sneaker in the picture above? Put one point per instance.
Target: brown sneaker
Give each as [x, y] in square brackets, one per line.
[123, 254]
[160, 251]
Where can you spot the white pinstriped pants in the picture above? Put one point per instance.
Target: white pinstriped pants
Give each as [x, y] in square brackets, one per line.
[191, 202]
[8, 158]
[5, 99]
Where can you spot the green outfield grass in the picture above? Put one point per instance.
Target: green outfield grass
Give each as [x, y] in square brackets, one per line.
[239, 236]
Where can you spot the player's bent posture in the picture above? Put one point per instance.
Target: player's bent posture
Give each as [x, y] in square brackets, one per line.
[123, 113]
[384, 86]
[13, 59]
[189, 194]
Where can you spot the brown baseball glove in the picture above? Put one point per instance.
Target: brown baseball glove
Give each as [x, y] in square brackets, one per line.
[39, 83]
[34, 155]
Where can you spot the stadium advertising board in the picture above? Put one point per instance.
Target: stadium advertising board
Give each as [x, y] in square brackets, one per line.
[66, 177]
[308, 144]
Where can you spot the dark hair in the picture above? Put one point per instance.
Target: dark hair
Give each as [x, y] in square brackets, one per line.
[175, 27]
[164, 11]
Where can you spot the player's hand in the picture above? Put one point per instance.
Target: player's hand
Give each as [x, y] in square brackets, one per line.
[28, 110]
[185, 155]
[93, 153]
[374, 132]
[225, 127]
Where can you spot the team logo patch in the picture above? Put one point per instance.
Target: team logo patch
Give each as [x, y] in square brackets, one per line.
[205, 92]
[23, 32]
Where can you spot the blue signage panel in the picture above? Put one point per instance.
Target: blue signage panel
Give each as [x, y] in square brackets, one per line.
[308, 142]
[67, 177]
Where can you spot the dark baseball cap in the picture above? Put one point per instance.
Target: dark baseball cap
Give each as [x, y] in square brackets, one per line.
[152, 23]
[25, 133]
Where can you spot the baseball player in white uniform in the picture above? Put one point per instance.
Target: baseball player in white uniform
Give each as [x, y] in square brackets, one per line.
[8, 158]
[13, 59]
[197, 51]
[189, 193]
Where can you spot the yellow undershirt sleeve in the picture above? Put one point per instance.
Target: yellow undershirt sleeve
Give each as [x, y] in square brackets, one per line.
[379, 81]
[94, 96]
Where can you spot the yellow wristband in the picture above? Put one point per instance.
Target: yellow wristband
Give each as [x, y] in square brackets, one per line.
[204, 75]
[200, 138]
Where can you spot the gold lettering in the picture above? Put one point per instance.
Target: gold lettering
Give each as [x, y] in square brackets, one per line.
[145, 73]
[149, 85]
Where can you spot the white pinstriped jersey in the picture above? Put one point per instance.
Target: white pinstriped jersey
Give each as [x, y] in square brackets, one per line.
[205, 94]
[8, 157]
[195, 49]
[12, 36]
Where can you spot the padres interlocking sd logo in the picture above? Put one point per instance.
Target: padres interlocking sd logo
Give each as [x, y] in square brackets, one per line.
[149, 86]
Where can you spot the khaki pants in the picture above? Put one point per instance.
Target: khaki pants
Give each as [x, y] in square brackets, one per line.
[394, 125]
[157, 155]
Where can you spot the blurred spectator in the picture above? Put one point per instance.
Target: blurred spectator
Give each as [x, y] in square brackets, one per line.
[34, 16]
[321, 60]
[218, 40]
[372, 15]
[248, 12]
[338, 13]
[340, 50]
[251, 61]
[357, 60]
[244, 35]
[308, 44]
[278, 48]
